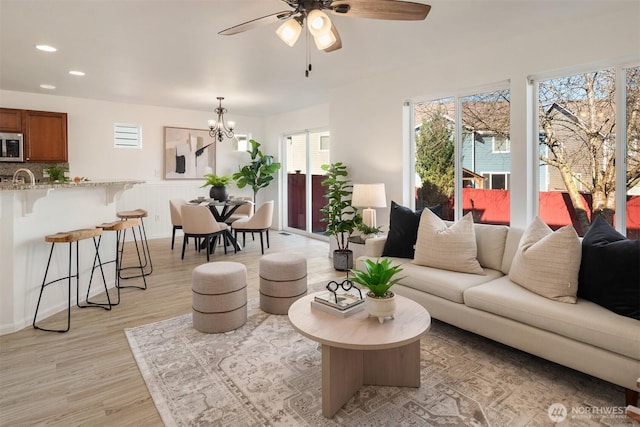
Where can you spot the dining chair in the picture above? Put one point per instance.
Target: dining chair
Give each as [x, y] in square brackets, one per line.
[197, 222]
[258, 223]
[244, 211]
[175, 205]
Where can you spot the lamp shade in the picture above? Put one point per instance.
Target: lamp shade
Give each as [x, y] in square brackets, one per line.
[369, 196]
[289, 31]
[324, 41]
[318, 22]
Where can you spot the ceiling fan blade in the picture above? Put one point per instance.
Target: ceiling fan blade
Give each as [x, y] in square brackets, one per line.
[381, 9]
[338, 44]
[249, 25]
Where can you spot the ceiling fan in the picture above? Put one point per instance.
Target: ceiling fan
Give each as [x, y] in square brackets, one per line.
[324, 33]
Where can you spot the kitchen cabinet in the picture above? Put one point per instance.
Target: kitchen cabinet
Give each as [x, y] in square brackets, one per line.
[45, 135]
[10, 120]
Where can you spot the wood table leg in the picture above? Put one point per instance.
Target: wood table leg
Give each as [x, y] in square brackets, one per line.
[398, 367]
[341, 377]
[344, 372]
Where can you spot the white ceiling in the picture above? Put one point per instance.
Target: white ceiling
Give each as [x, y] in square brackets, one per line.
[168, 52]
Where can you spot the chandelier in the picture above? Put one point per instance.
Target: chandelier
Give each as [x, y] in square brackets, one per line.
[219, 129]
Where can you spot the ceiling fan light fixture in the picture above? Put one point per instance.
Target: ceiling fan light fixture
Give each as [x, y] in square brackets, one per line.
[324, 41]
[289, 31]
[318, 22]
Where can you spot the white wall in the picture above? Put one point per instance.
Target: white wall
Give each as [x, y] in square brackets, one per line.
[366, 125]
[92, 154]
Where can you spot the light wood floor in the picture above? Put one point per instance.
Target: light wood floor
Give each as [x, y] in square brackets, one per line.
[88, 376]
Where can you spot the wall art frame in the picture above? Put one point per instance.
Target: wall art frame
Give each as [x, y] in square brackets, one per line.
[188, 153]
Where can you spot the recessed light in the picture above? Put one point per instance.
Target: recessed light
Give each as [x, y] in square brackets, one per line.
[46, 48]
[76, 73]
[47, 86]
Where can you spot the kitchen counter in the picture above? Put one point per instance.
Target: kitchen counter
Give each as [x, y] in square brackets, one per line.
[4, 186]
[28, 213]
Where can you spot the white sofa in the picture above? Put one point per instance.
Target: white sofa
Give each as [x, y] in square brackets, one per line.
[582, 336]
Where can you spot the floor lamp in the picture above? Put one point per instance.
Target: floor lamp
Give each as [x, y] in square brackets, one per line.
[369, 196]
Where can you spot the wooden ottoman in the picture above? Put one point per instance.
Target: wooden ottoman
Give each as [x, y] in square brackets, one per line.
[219, 296]
[283, 279]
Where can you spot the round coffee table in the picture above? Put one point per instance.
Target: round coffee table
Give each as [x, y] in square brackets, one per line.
[358, 350]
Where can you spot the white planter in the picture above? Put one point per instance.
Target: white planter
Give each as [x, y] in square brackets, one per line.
[381, 308]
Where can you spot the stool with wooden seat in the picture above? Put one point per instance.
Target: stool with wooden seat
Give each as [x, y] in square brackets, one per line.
[121, 227]
[139, 214]
[71, 237]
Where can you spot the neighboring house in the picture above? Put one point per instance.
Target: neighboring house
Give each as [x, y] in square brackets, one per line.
[565, 128]
[487, 155]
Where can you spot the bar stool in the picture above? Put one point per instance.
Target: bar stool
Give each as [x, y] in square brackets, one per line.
[121, 227]
[139, 214]
[71, 237]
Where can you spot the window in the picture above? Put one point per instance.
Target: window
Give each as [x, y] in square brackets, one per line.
[127, 135]
[324, 143]
[500, 145]
[482, 141]
[241, 142]
[434, 155]
[578, 116]
[496, 181]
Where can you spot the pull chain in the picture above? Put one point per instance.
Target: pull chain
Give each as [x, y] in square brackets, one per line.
[308, 56]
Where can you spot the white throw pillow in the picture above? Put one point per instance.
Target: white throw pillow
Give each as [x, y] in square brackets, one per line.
[449, 248]
[548, 262]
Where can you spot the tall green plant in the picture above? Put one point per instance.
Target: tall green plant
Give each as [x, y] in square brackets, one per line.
[259, 173]
[341, 217]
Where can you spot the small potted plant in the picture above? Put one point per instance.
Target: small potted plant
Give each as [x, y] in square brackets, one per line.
[378, 277]
[341, 217]
[218, 185]
[56, 173]
[367, 231]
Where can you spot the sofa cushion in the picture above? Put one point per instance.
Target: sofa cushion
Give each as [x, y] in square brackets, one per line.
[610, 269]
[490, 241]
[450, 248]
[444, 283]
[583, 321]
[548, 262]
[511, 247]
[403, 230]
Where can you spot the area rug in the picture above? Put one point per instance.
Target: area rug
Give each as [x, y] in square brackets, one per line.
[266, 374]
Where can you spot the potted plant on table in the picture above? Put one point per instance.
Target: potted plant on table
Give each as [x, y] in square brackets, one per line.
[341, 217]
[366, 231]
[378, 277]
[218, 183]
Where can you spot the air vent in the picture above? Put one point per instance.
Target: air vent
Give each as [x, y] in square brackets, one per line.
[127, 136]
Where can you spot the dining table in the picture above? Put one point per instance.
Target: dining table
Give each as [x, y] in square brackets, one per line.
[222, 211]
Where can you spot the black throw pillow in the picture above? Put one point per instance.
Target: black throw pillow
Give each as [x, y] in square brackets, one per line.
[403, 231]
[610, 270]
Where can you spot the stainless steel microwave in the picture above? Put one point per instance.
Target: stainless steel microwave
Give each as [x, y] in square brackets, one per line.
[11, 147]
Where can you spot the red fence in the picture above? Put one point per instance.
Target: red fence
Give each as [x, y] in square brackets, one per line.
[492, 207]
[488, 206]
